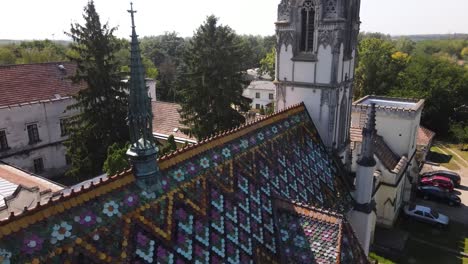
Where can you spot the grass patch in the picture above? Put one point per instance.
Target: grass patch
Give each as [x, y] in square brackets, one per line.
[453, 237]
[455, 148]
[437, 155]
[380, 260]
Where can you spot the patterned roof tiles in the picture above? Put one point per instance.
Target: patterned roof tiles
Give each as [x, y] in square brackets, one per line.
[218, 204]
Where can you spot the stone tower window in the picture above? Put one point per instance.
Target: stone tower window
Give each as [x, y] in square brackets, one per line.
[307, 27]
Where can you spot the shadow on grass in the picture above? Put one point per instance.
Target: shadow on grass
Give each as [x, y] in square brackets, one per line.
[439, 157]
[426, 242]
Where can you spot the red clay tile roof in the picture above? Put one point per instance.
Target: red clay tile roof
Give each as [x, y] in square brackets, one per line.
[166, 119]
[425, 136]
[385, 154]
[25, 179]
[24, 83]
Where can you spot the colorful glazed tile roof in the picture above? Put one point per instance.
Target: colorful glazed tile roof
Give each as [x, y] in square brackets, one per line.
[223, 200]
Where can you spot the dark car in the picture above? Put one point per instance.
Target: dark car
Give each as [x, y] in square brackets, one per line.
[455, 177]
[440, 194]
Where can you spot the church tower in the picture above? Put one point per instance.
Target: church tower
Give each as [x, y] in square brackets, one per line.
[143, 151]
[316, 53]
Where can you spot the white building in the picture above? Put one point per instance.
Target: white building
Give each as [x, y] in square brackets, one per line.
[315, 62]
[397, 125]
[20, 189]
[33, 103]
[261, 90]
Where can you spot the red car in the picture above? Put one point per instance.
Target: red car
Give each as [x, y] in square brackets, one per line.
[439, 181]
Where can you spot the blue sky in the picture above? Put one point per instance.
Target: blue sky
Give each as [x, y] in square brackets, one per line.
[39, 19]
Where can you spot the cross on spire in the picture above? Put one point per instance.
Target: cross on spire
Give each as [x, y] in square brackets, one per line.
[131, 11]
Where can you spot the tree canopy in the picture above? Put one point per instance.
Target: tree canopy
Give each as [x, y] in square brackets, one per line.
[212, 94]
[103, 104]
[423, 70]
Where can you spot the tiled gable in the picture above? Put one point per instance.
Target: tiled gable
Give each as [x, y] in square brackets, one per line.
[219, 204]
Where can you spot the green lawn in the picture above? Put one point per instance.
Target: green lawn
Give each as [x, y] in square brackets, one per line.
[436, 155]
[453, 237]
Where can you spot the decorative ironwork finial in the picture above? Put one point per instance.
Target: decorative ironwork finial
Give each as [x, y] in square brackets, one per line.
[131, 11]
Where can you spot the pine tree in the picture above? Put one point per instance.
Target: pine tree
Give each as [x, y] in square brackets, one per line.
[215, 81]
[103, 103]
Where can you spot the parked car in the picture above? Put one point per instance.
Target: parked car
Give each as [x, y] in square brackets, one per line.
[437, 193]
[440, 181]
[425, 214]
[455, 177]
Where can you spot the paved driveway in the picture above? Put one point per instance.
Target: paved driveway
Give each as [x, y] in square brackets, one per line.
[459, 214]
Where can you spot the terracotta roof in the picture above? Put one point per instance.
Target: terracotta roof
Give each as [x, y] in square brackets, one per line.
[166, 120]
[383, 152]
[26, 179]
[425, 136]
[25, 83]
[219, 202]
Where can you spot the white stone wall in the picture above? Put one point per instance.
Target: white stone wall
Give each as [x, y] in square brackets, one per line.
[264, 99]
[47, 116]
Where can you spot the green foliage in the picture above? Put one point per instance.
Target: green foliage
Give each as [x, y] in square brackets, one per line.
[255, 48]
[165, 52]
[378, 69]
[262, 110]
[103, 104]
[425, 70]
[215, 81]
[37, 51]
[464, 53]
[169, 147]
[267, 64]
[7, 56]
[452, 47]
[380, 259]
[405, 45]
[459, 132]
[117, 160]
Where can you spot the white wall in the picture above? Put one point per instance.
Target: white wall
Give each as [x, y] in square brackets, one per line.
[47, 116]
[264, 99]
[286, 64]
[304, 71]
[324, 65]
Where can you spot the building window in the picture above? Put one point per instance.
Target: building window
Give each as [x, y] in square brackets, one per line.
[270, 96]
[257, 106]
[257, 95]
[64, 127]
[33, 134]
[307, 26]
[3, 140]
[38, 166]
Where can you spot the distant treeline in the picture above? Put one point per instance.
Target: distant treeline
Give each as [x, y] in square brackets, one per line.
[434, 70]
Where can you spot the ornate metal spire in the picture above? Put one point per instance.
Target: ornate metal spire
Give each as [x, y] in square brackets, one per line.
[143, 150]
[368, 136]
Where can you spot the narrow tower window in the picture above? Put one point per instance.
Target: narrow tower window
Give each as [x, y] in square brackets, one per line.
[307, 27]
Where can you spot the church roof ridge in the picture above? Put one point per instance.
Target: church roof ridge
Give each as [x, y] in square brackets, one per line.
[62, 201]
[219, 138]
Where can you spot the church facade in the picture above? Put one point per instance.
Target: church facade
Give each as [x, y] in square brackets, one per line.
[316, 54]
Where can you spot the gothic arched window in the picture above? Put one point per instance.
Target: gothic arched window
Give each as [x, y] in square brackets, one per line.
[343, 120]
[307, 26]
